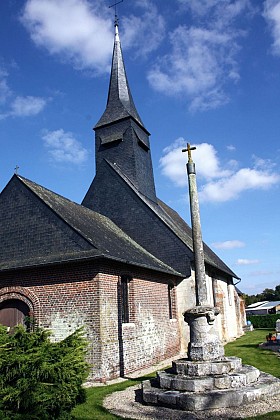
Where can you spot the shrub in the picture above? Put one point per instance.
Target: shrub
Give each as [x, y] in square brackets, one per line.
[264, 321]
[40, 379]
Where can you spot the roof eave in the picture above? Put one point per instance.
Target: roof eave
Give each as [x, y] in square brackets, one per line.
[109, 123]
[90, 258]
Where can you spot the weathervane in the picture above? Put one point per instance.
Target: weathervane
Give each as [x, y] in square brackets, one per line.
[115, 6]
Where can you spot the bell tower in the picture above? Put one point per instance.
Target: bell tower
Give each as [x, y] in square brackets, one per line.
[121, 138]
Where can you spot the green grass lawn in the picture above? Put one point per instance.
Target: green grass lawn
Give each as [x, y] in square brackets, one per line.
[246, 347]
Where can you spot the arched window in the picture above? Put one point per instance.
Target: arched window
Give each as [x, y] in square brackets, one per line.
[13, 312]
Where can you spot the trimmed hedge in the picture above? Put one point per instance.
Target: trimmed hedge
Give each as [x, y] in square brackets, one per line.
[264, 321]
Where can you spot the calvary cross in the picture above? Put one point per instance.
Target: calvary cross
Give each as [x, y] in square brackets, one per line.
[189, 149]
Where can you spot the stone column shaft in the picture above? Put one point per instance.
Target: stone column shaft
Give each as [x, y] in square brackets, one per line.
[200, 277]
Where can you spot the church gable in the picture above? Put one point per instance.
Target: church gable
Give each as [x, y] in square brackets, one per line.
[29, 229]
[48, 228]
[112, 195]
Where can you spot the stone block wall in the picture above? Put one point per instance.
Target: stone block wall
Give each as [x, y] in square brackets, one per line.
[231, 319]
[229, 323]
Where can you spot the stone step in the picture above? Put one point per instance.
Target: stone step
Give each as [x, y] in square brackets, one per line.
[266, 385]
[215, 367]
[237, 379]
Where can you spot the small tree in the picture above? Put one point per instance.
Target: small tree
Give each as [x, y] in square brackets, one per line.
[40, 379]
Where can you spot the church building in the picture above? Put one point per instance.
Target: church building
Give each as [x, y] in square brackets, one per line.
[120, 263]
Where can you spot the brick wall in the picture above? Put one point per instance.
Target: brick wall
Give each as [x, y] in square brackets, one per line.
[150, 336]
[68, 296]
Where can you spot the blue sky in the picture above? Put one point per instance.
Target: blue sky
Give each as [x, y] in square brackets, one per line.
[202, 71]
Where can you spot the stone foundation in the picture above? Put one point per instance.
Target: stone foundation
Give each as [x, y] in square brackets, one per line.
[218, 384]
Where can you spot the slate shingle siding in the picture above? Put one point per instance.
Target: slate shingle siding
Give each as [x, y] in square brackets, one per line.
[111, 196]
[58, 230]
[29, 229]
[127, 153]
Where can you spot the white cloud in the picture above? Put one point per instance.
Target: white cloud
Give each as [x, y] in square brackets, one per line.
[27, 106]
[224, 11]
[218, 182]
[72, 29]
[195, 67]
[145, 31]
[5, 91]
[261, 163]
[63, 147]
[23, 106]
[244, 261]
[228, 244]
[173, 162]
[17, 106]
[231, 148]
[200, 62]
[261, 273]
[199, 7]
[230, 188]
[203, 56]
[272, 16]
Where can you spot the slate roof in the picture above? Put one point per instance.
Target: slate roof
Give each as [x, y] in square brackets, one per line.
[181, 229]
[105, 238]
[120, 103]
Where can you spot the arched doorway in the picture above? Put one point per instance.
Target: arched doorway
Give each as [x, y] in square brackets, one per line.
[13, 312]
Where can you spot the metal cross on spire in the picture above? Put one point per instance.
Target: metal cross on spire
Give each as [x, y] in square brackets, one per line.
[115, 6]
[16, 169]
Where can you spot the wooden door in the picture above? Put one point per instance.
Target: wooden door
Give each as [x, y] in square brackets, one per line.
[13, 312]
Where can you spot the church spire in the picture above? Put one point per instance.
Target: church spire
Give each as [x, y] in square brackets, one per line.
[121, 140]
[120, 103]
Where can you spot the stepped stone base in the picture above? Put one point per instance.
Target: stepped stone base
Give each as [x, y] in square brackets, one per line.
[196, 386]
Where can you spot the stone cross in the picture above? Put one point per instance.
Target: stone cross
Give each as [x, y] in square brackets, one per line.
[16, 169]
[204, 343]
[200, 279]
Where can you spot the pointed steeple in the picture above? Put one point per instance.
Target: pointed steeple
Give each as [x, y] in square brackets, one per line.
[121, 139]
[120, 103]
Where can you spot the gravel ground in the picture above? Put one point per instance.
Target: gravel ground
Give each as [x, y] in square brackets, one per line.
[127, 404]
